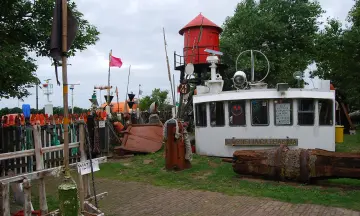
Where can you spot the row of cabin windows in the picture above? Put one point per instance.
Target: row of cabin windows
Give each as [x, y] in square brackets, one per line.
[283, 113]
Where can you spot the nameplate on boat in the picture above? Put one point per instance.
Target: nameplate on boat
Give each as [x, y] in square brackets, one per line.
[261, 142]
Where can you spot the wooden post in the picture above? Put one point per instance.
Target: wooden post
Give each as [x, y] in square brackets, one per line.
[27, 194]
[40, 166]
[68, 194]
[5, 193]
[82, 158]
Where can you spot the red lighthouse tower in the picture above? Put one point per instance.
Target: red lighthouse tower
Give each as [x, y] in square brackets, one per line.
[199, 34]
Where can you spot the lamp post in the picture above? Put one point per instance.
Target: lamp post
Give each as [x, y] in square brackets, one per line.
[72, 96]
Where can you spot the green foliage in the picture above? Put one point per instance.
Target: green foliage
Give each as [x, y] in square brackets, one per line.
[284, 30]
[158, 96]
[338, 55]
[26, 27]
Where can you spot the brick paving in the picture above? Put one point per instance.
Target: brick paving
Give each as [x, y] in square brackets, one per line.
[135, 199]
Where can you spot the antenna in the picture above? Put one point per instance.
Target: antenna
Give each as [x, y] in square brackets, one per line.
[214, 52]
[298, 75]
[253, 65]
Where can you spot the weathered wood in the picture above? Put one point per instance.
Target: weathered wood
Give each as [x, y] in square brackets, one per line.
[59, 147]
[98, 196]
[31, 152]
[299, 164]
[40, 166]
[82, 159]
[27, 194]
[5, 199]
[18, 154]
[42, 173]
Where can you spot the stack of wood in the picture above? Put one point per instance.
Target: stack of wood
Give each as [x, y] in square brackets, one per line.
[300, 165]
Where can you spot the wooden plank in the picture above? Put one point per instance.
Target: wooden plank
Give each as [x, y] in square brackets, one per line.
[31, 152]
[40, 166]
[82, 159]
[27, 194]
[11, 155]
[59, 147]
[5, 199]
[43, 173]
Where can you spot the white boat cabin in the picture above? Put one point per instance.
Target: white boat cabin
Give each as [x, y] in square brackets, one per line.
[262, 118]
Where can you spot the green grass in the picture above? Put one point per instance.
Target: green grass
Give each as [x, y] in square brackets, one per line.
[211, 174]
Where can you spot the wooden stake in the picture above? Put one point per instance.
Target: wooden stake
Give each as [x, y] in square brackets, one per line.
[65, 88]
[27, 194]
[40, 166]
[68, 198]
[5, 193]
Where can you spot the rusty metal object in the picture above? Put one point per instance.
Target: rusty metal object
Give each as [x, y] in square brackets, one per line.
[300, 165]
[175, 148]
[145, 138]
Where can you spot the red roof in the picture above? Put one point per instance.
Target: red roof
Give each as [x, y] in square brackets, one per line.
[198, 21]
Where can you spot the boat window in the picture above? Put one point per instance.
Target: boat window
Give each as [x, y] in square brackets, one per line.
[326, 112]
[283, 112]
[259, 112]
[200, 117]
[217, 114]
[237, 113]
[306, 112]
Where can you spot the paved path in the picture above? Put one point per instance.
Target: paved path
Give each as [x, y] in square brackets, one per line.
[134, 199]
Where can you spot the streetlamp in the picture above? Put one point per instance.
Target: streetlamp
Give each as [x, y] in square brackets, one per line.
[72, 96]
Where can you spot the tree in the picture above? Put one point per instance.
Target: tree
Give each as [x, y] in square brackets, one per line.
[25, 26]
[338, 55]
[158, 96]
[284, 30]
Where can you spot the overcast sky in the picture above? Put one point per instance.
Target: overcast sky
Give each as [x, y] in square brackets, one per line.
[133, 30]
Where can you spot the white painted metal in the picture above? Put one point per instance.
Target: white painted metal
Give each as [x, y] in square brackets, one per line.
[211, 140]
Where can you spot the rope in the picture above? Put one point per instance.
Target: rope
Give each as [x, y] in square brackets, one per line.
[177, 134]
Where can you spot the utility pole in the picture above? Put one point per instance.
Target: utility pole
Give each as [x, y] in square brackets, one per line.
[65, 88]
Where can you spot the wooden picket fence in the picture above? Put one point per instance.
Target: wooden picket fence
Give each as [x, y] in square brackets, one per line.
[47, 162]
[14, 139]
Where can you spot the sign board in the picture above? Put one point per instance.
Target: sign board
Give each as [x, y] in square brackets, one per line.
[261, 142]
[184, 88]
[283, 114]
[84, 167]
[101, 124]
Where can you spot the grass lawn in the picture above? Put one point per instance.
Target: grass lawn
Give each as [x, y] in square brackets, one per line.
[213, 175]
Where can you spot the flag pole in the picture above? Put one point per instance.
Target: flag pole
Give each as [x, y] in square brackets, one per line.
[65, 88]
[127, 90]
[108, 89]
[117, 99]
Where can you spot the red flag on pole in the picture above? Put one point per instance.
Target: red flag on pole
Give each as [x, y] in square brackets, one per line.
[115, 62]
